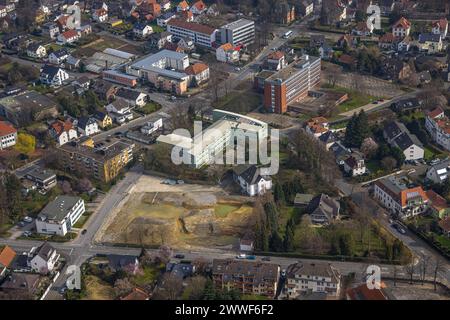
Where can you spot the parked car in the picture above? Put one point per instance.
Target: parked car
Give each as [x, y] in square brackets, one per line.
[21, 224]
[237, 69]
[241, 256]
[399, 228]
[180, 181]
[265, 259]
[27, 233]
[179, 256]
[84, 231]
[251, 257]
[28, 219]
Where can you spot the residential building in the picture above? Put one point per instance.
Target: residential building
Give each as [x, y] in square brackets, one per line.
[141, 30]
[227, 128]
[36, 50]
[328, 139]
[276, 61]
[7, 255]
[87, 126]
[120, 111]
[362, 292]
[247, 277]
[68, 37]
[28, 106]
[251, 181]
[201, 34]
[323, 209]
[152, 126]
[8, 135]
[58, 57]
[51, 30]
[397, 135]
[438, 205]
[438, 173]
[43, 179]
[396, 69]
[166, 17]
[354, 165]
[362, 29]
[291, 84]
[438, 126]
[227, 53]
[100, 15]
[103, 119]
[198, 73]
[119, 262]
[444, 225]
[45, 259]
[401, 28]
[105, 90]
[120, 78]
[159, 39]
[430, 43]
[440, 27]
[246, 245]
[198, 7]
[239, 32]
[53, 76]
[133, 97]
[304, 278]
[63, 132]
[333, 12]
[181, 270]
[394, 194]
[317, 126]
[60, 215]
[182, 6]
[103, 164]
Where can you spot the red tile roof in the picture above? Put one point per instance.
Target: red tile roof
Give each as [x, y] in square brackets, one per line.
[196, 68]
[6, 129]
[441, 23]
[200, 5]
[435, 112]
[418, 190]
[362, 292]
[183, 5]
[277, 55]
[196, 27]
[387, 38]
[437, 202]
[402, 23]
[60, 126]
[70, 34]
[7, 256]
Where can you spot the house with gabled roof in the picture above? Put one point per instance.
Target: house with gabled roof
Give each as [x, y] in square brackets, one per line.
[7, 255]
[63, 132]
[251, 181]
[8, 135]
[397, 135]
[227, 53]
[400, 199]
[182, 6]
[36, 50]
[53, 76]
[44, 259]
[323, 209]
[70, 36]
[87, 126]
[401, 28]
[58, 57]
[198, 7]
[438, 205]
[440, 27]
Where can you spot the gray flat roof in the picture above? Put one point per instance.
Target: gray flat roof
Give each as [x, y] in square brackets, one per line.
[147, 63]
[59, 208]
[237, 24]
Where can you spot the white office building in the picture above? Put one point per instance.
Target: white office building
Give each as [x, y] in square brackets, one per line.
[60, 215]
[240, 32]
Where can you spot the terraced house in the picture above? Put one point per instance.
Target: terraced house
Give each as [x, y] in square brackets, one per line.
[103, 164]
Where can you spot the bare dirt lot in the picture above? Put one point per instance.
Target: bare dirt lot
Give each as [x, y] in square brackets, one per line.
[181, 216]
[406, 291]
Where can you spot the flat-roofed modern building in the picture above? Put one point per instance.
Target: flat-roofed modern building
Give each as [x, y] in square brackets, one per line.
[291, 84]
[239, 32]
[201, 34]
[59, 216]
[43, 178]
[212, 141]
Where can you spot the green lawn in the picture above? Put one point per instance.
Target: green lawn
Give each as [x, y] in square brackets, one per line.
[241, 102]
[443, 240]
[82, 221]
[355, 99]
[147, 275]
[432, 153]
[149, 108]
[222, 210]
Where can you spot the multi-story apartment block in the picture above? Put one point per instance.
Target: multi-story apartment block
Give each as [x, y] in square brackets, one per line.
[247, 277]
[302, 278]
[59, 216]
[8, 135]
[201, 34]
[394, 194]
[291, 84]
[438, 126]
[102, 164]
[240, 32]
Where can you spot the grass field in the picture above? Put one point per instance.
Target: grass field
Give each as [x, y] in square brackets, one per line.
[222, 210]
[240, 101]
[97, 289]
[147, 275]
[355, 99]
